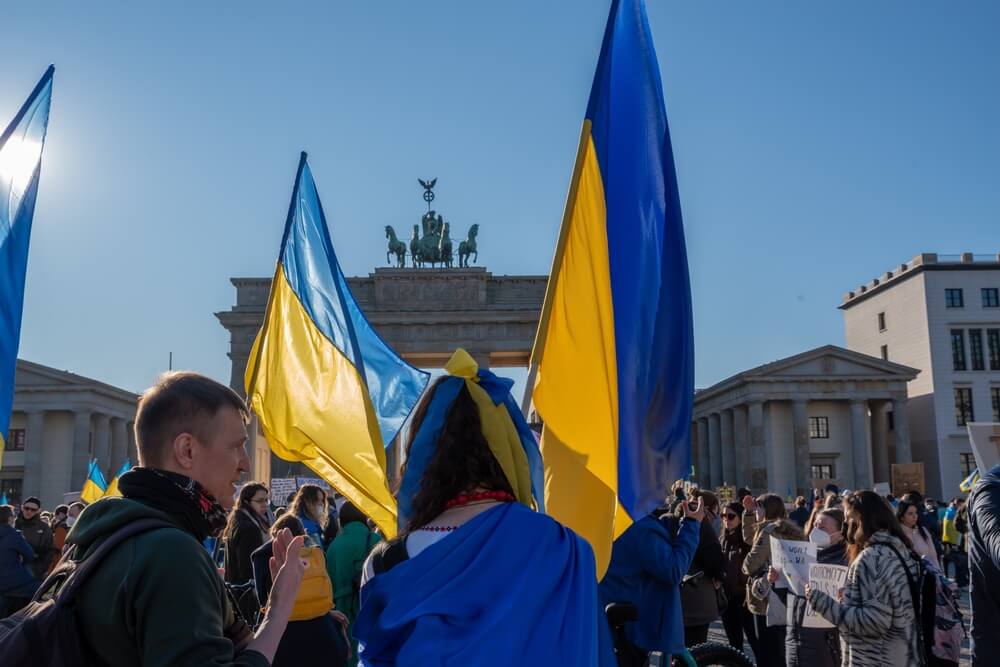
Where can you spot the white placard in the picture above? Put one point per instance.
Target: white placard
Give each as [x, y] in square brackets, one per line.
[280, 488]
[829, 579]
[985, 439]
[316, 481]
[882, 488]
[793, 559]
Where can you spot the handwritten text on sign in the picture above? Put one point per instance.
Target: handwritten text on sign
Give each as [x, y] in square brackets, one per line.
[793, 559]
[829, 579]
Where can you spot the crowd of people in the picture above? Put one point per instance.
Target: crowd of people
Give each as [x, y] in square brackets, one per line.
[208, 573]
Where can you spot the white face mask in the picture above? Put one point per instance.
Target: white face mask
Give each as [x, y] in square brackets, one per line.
[70, 520]
[819, 537]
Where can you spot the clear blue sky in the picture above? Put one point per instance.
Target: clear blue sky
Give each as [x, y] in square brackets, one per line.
[817, 145]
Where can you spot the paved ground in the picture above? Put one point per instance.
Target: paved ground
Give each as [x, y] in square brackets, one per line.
[717, 634]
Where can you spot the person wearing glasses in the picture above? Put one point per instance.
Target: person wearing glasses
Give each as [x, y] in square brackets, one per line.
[37, 533]
[246, 530]
[736, 619]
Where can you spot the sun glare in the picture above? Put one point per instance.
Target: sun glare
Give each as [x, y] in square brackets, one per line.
[18, 159]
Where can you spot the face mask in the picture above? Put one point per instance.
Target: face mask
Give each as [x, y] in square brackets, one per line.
[819, 537]
[70, 520]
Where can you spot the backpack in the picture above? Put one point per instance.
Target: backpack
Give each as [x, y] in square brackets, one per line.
[940, 641]
[315, 596]
[45, 633]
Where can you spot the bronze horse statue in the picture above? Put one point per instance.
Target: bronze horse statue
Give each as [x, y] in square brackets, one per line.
[396, 247]
[445, 247]
[468, 247]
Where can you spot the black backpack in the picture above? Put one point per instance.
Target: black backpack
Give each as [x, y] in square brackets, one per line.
[45, 632]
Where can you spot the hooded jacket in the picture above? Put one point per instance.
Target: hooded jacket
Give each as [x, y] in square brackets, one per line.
[984, 567]
[14, 553]
[157, 598]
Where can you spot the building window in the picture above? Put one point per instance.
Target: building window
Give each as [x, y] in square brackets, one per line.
[15, 440]
[819, 427]
[976, 348]
[822, 470]
[993, 339]
[953, 298]
[963, 406]
[991, 297]
[995, 399]
[885, 352]
[12, 488]
[881, 321]
[968, 463]
[957, 350]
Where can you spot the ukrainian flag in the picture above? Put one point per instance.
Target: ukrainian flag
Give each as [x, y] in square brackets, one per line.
[95, 486]
[614, 352]
[20, 166]
[113, 486]
[327, 389]
[967, 484]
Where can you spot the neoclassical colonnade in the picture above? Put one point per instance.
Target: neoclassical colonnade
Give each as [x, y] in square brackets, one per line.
[753, 428]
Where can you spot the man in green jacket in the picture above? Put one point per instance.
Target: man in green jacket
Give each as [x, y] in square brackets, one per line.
[157, 599]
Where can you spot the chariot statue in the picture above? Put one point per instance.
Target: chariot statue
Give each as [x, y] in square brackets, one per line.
[431, 242]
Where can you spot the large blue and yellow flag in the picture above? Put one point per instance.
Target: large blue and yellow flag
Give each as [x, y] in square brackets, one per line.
[20, 166]
[614, 352]
[95, 484]
[327, 389]
[112, 490]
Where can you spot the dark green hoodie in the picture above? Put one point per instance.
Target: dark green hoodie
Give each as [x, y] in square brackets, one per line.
[157, 599]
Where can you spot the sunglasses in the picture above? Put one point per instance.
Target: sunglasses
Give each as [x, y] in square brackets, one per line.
[730, 516]
[29, 509]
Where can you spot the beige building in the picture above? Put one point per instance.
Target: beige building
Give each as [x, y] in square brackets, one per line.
[59, 423]
[941, 315]
[802, 422]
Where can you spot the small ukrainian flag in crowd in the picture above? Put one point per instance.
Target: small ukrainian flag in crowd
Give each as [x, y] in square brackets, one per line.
[328, 391]
[113, 486]
[95, 486]
[969, 482]
[20, 166]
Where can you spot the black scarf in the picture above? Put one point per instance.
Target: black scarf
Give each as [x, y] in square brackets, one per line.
[184, 499]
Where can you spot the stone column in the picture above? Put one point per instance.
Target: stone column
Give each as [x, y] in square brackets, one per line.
[704, 458]
[904, 454]
[859, 447]
[132, 453]
[81, 448]
[728, 447]
[102, 442]
[742, 444]
[880, 441]
[715, 449]
[800, 442]
[119, 444]
[758, 449]
[34, 442]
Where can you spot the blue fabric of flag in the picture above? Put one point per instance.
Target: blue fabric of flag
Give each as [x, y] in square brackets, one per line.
[313, 272]
[21, 147]
[654, 334]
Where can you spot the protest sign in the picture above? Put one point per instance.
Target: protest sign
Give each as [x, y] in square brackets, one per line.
[302, 481]
[985, 439]
[882, 488]
[725, 494]
[793, 559]
[907, 477]
[280, 488]
[829, 579]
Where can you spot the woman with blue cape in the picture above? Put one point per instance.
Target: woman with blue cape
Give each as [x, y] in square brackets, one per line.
[476, 575]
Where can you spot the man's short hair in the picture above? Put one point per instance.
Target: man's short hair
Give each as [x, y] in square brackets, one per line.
[61, 509]
[32, 499]
[6, 512]
[179, 402]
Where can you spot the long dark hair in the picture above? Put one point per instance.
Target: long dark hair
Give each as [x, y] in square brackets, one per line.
[307, 495]
[248, 491]
[868, 513]
[462, 460]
